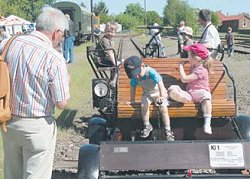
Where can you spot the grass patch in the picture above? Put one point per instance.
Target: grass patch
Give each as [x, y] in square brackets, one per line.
[80, 73]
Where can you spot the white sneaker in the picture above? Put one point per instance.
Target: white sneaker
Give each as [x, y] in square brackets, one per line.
[207, 129]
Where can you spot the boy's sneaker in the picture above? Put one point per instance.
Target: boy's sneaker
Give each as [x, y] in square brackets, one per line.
[146, 131]
[169, 135]
[207, 129]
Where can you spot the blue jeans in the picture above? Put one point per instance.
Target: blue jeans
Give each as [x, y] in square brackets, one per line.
[68, 47]
[230, 49]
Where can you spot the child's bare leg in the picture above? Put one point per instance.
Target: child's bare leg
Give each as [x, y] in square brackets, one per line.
[177, 94]
[145, 113]
[169, 136]
[206, 107]
[165, 117]
[145, 118]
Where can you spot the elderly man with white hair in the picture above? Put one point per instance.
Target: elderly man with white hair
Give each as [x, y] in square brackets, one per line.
[39, 82]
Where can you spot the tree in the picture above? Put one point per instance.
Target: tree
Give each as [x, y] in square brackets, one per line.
[215, 19]
[27, 9]
[104, 18]
[153, 17]
[177, 10]
[135, 10]
[100, 8]
[127, 21]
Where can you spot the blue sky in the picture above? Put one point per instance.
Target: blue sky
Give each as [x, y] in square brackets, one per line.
[230, 7]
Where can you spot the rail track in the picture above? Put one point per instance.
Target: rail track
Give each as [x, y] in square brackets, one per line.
[242, 43]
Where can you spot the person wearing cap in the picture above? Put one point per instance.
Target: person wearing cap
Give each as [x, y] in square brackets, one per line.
[197, 80]
[210, 36]
[187, 34]
[153, 92]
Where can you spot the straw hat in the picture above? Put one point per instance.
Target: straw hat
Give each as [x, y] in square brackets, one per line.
[188, 31]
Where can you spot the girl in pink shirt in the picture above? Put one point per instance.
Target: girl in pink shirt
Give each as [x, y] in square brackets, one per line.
[197, 80]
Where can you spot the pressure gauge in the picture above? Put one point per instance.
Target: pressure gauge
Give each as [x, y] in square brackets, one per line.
[101, 89]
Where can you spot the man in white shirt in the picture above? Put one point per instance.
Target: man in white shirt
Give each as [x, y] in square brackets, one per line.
[210, 36]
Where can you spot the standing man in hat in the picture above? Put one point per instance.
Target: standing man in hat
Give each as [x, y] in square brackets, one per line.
[210, 36]
[187, 34]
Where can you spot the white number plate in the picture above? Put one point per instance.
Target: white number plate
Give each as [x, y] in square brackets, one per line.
[229, 155]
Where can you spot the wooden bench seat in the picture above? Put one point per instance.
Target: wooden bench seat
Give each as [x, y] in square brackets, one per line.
[168, 68]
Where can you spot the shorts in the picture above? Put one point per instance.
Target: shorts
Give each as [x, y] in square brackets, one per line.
[149, 99]
[192, 95]
[200, 95]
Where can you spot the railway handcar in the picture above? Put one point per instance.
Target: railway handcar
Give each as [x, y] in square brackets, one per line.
[115, 149]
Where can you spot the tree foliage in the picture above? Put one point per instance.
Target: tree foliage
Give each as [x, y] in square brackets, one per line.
[177, 10]
[104, 18]
[215, 19]
[135, 10]
[27, 9]
[100, 8]
[128, 21]
[153, 17]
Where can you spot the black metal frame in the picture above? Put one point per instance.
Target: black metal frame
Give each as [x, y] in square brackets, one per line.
[135, 160]
[148, 50]
[100, 72]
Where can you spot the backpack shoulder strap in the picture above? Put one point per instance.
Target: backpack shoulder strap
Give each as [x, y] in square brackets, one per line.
[6, 47]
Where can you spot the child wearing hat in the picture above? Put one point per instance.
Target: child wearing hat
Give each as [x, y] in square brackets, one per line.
[197, 80]
[187, 34]
[153, 92]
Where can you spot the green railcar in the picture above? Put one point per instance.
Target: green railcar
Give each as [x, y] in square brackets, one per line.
[81, 18]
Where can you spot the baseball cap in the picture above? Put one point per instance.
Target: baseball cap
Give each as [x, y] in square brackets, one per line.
[198, 49]
[187, 30]
[132, 66]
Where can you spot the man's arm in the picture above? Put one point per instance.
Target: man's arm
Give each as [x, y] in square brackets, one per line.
[62, 104]
[60, 85]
